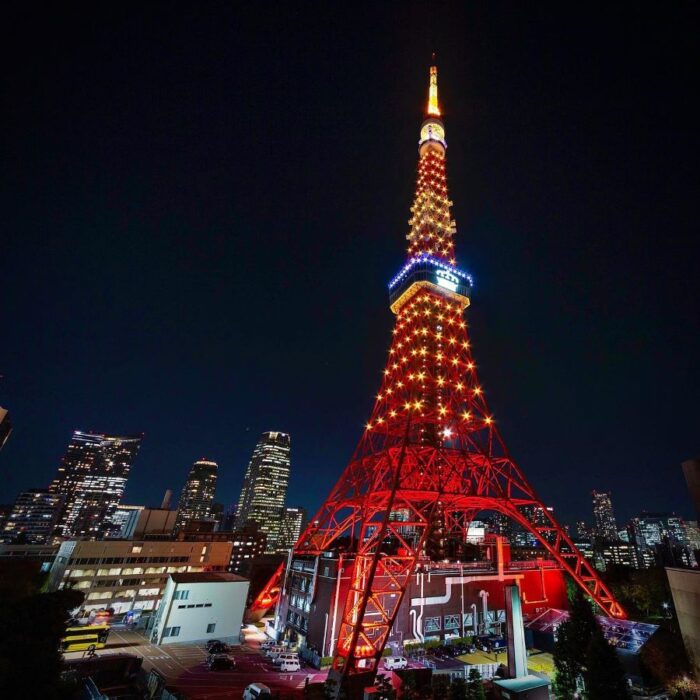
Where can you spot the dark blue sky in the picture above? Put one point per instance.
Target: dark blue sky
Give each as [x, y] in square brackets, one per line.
[201, 208]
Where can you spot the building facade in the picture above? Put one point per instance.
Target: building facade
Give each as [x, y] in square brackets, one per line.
[265, 487]
[604, 516]
[293, 522]
[247, 544]
[91, 478]
[200, 606]
[197, 497]
[33, 517]
[661, 538]
[443, 599]
[131, 575]
[125, 518]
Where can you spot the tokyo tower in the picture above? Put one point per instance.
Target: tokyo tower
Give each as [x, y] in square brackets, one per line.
[431, 456]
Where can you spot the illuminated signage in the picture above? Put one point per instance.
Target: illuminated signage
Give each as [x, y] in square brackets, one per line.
[447, 280]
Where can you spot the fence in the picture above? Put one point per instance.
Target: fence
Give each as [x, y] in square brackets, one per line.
[486, 671]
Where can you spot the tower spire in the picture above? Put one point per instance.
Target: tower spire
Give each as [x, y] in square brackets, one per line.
[433, 106]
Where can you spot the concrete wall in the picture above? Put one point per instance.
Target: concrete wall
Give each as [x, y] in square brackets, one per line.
[218, 603]
[685, 588]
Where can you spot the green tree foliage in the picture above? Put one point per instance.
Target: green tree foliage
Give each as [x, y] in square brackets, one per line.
[603, 675]
[567, 663]
[475, 686]
[30, 631]
[458, 689]
[642, 592]
[440, 686]
[383, 684]
[664, 659]
[583, 660]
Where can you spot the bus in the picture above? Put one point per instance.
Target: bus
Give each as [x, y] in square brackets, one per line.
[85, 637]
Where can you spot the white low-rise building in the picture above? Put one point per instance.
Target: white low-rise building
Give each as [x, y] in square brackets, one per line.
[199, 606]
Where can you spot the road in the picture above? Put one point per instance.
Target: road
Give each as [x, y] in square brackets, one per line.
[183, 667]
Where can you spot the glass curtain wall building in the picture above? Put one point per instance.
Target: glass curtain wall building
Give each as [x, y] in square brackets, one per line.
[91, 478]
[265, 487]
[197, 497]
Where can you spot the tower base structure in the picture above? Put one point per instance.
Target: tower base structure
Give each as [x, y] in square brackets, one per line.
[443, 600]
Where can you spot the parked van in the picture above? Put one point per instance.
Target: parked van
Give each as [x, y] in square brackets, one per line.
[255, 691]
[286, 656]
[290, 665]
[274, 652]
[392, 663]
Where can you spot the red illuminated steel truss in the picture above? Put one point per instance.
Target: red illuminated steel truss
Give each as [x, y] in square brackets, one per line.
[431, 452]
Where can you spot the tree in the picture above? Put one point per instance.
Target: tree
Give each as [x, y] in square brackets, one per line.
[583, 659]
[664, 658]
[383, 685]
[603, 675]
[567, 664]
[31, 628]
[458, 689]
[475, 686]
[571, 646]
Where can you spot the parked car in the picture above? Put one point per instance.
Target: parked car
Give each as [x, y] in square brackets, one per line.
[290, 666]
[257, 690]
[218, 648]
[482, 642]
[496, 643]
[285, 656]
[220, 662]
[212, 643]
[392, 663]
[267, 644]
[274, 652]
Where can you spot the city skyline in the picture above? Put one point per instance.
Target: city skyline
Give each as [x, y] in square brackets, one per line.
[568, 321]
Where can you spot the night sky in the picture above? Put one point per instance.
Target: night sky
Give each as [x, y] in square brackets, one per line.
[202, 206]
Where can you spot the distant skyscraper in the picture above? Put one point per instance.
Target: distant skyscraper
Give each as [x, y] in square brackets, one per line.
[91, 478]
[293, 521]
[125, 518]
[691, 470]
[5, 426]
[228, 521]
[197, 497]
[33, 518]
[583, 531]
[265, 487]
[605, 526]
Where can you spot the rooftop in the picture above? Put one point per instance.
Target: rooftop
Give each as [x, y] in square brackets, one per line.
[207, 577]
[528, 682]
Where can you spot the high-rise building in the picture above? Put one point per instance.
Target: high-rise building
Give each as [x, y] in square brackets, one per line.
[605, 526]
[33, 517]
[92, 478]
[228, 520]
[583, 531]
[248, 545]
[293, 522]
[660, 538]
[125, 518]
[691, 471]
[265, 487]
[197, 497]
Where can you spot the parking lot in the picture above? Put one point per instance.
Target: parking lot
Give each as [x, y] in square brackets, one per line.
[184, 669]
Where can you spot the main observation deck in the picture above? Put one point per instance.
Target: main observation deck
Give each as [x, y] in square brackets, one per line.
[427, 272]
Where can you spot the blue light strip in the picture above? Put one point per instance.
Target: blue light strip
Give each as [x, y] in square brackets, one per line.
[436, 263]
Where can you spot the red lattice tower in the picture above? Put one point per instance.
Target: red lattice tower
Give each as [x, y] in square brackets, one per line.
[431, 453]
